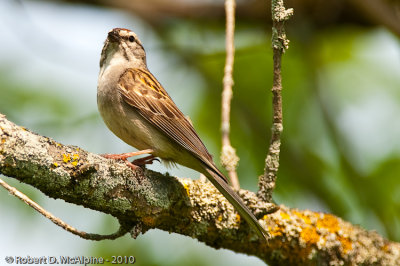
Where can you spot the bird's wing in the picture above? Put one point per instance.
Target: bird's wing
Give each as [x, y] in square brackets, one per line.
[141, 90]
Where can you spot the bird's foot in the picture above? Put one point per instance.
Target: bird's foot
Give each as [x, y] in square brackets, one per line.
[136, 163]
[145, 160]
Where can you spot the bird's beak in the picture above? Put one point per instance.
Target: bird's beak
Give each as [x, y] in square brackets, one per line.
[113, 35]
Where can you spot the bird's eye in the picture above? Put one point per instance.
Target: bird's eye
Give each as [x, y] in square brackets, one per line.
[131, 38]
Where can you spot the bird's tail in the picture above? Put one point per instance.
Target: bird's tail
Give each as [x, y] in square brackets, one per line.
[218, 180]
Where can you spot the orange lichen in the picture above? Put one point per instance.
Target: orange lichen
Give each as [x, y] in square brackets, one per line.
[148, 220]
[309, 235]
[330, 222]
[346, 243]
[305, 218]
[276, 231]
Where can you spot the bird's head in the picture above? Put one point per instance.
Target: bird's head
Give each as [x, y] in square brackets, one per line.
[123, 45]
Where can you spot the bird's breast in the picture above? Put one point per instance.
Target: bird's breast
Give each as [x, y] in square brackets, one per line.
[127, 123]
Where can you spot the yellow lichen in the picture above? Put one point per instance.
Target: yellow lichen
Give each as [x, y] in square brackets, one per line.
[309, 235]
[55, 164]
[276, 231]
[237, 218]
[66, 158]
[186, 186]
[330, 222]
[219, 218]
[285, 216]
[305, 218]
[74, 159]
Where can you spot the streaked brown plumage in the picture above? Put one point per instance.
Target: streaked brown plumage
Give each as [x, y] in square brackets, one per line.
[138, 110]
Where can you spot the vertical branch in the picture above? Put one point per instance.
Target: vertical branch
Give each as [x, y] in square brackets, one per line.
[279, 44]
[229, 159]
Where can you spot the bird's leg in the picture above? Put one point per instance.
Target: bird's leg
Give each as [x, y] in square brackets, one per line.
[125, 156]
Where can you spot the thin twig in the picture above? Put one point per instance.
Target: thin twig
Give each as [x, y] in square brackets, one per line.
[15, 192]
[229, 159]
[279, 44]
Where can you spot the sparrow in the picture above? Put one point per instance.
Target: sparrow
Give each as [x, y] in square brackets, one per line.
[137, 109]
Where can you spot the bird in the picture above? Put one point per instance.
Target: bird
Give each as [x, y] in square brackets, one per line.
[138, 110]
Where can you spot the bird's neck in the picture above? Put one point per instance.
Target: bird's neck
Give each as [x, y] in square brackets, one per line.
[120, 61]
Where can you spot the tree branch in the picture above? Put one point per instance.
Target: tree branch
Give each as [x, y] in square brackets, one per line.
[145, 199]
[279, 45]
[13, 191]
[321, 14]
[229, 159]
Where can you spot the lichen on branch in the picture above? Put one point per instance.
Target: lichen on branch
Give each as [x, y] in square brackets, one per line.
[146, 199]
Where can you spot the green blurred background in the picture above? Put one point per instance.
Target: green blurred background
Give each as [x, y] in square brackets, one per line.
[341, 102]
